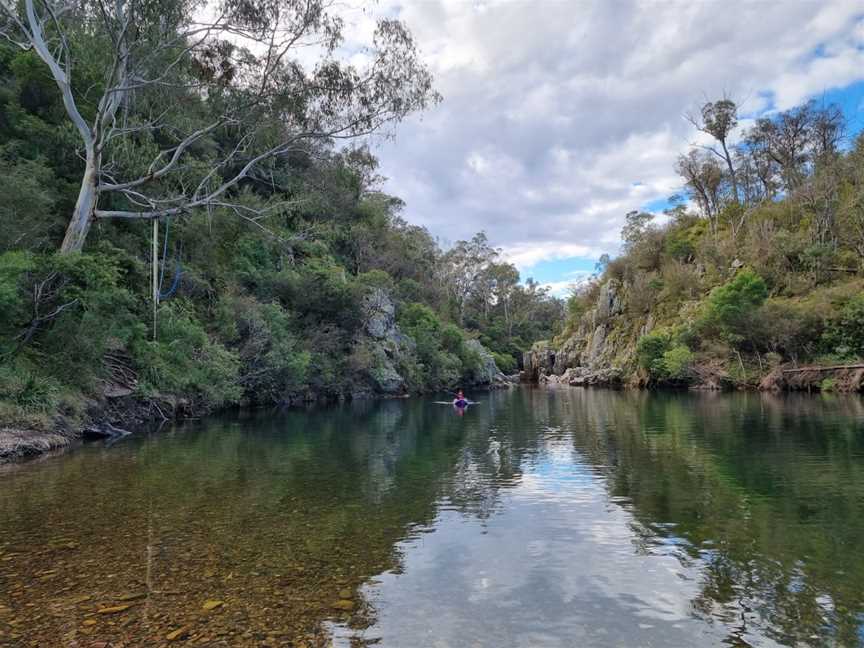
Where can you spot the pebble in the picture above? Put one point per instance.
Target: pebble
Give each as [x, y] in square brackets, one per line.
[343, 604]
[212, 604]
[114, 609]
[179, 633]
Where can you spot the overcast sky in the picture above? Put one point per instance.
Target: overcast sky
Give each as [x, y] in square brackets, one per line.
[559, 117]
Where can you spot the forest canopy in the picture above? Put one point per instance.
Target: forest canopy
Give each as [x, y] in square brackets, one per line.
[275, 240]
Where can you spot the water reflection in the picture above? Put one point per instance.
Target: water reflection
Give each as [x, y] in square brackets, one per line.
[541, 517]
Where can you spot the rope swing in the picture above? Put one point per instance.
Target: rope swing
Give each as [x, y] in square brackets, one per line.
[158, 274]
[178, 268]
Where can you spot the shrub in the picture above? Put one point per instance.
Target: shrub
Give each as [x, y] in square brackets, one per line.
[506, 362]
[14, 267]
[184, 360]
[786, 327]
[845, 334]
[677, 362]
[272, 361]
[680, 281]
[28, 391]
[651, 347]
[664, 356]
[729, 307]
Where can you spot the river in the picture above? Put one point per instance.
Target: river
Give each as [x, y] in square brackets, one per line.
[540, 517]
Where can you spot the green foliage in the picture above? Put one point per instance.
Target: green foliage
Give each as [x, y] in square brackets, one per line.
[28, 391]
[265, 310]
[828, 385]
[444, 358]
[845, 334]
[273, 363]
[14, 267]
[729, 307]
[664, 356]
[786, 327]
[677, 362]
[26, 209]
[184, 361]
[506, 363]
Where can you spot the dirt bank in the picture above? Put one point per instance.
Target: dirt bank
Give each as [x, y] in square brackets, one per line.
[17, 444]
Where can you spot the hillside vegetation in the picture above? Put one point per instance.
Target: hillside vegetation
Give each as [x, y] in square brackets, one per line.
[759, 267]
[296, 280]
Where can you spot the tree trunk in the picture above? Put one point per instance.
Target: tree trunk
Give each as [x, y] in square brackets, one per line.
[732, 175]
[85, 206]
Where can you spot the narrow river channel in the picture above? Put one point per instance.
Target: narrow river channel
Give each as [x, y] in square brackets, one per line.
[559, 517]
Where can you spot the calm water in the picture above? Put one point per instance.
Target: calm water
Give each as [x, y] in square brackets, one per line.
[539, 518]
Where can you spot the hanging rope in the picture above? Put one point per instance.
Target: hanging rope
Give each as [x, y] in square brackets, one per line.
[178, 270]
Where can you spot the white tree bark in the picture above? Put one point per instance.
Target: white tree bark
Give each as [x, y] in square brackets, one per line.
[343, 102]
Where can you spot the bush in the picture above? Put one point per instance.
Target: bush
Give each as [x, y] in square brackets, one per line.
[680, 282]
[651, 347]
[184, 360]
[14, 267]
[28, 391]
[845, 334]
[506, 363]
[444, 359]
[677, 362]
[729, 307]
[272, 361]
[664, 356]
[785, 327]
[65, 312]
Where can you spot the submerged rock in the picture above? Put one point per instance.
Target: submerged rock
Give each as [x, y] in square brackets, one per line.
[179, 633]
[114, 609]
[343, 604]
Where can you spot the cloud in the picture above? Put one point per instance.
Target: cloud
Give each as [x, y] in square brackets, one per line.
[572, 280]
[559, 118]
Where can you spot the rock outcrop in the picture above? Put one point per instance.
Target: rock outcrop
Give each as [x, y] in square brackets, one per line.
[592, 354]
[385, 343]
[388, 348]
[489, 374]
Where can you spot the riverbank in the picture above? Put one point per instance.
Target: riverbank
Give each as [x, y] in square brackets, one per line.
[716, 377]
[114, 418]
[18, 444]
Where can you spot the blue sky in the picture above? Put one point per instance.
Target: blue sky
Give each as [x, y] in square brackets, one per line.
[556, 123]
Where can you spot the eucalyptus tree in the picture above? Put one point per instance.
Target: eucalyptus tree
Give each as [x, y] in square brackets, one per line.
[719, 119]
[462, 267]
[178, 103]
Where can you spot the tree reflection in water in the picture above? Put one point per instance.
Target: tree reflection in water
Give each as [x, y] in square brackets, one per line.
[568, 506]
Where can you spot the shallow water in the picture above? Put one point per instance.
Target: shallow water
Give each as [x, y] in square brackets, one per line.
[560, 517]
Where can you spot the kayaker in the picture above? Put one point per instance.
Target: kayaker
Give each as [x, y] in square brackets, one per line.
[460, 400]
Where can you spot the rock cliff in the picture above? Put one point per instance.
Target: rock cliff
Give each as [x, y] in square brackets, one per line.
[600, 350]
[389, 349]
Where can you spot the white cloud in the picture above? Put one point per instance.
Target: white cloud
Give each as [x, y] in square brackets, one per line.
[558, 118]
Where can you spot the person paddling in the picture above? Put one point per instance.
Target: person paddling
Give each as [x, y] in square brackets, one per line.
[460, 400]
